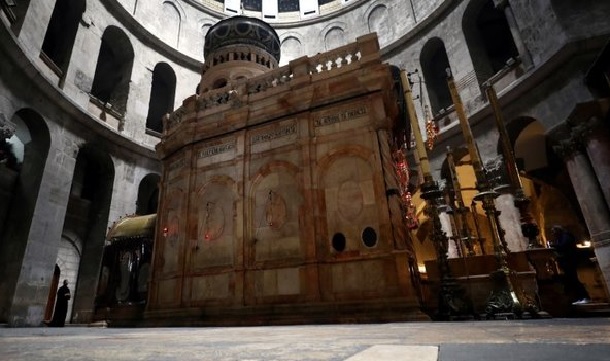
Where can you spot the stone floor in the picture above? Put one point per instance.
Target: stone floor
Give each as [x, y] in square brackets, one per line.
[511, 340]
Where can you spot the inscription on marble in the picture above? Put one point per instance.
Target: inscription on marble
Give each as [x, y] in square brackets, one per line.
[340, 117]
[276, 133]
[215, 150]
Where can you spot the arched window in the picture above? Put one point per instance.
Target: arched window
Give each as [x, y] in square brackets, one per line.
[61, 32]
[15, 12]
[488, 37]
[162, 93]
[434, 63]
[113, 71]
[148, 195]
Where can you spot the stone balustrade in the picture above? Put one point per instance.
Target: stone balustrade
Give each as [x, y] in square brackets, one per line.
[345, 58]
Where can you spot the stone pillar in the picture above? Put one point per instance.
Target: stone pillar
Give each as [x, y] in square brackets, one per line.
[588, 127]
[524, 54]
[590, 198]
[510, 222]
[452, 249]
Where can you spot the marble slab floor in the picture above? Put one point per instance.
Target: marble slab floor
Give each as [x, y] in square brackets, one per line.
[504, 340]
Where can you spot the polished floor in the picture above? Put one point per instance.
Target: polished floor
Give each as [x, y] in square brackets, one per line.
[509, 340]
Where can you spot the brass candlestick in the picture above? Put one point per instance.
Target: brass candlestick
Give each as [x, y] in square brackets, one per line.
[529, 228]
[503, 298]
[452, 300]
[462, 211]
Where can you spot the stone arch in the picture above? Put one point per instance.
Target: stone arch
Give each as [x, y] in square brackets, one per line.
[334, 35]
[87, 219]
[528, 141]
[162, 95]
[434, 62]
[488, 37]
[61, 33]
[148, 194]
[113, 70]
[377, 18]
[275, 205]
[291, 47]
[347, 183]
[214, 233]
[68, 262]
[20, 187]
[173, 16]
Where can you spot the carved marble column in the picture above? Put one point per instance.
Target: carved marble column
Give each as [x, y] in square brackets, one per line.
[589, 195]
[524, 54]
[590, 129]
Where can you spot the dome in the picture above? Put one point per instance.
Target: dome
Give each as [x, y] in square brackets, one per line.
[242, 30]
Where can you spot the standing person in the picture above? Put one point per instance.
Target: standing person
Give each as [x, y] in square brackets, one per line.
[61, 306]
[564, 244]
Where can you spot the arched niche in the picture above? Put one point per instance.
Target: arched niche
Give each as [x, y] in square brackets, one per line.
[148, 195]
[488, 37]
[172, 22]
[291, 48]
[162, 95]
[87, 219]
[434, 63]
[378, 22]
[61, 32]
[334, 37]
[528, 141]
[113, 70]
[21, 186]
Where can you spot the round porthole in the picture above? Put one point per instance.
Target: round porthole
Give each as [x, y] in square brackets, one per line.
[369, 237]
[338, 242]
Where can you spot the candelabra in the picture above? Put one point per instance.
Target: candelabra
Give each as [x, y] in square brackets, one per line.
[463, 231]
[452, 300]
[503, 298]
[529, 228]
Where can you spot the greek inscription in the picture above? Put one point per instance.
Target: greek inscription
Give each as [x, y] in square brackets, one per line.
[340, 117]
[277, 133]
[215, 150]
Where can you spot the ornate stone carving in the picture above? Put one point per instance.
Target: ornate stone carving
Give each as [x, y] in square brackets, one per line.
[7, 128]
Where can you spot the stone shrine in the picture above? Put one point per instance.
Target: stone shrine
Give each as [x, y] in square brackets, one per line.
[279, 199]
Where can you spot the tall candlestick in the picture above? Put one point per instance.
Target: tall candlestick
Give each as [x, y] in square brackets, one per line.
[473, 150]
[422, 154]
[529, 228]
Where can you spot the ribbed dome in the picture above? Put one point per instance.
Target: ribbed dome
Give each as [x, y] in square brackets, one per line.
[242, 30]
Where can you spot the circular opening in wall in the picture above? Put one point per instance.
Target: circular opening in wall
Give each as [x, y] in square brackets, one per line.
[338, 242]
[369, 237]
[219, 83]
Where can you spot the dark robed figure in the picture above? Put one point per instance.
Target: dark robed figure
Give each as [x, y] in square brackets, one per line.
[61, 306]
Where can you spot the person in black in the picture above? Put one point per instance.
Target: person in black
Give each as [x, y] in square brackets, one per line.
[564, 244]
[61, 306]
